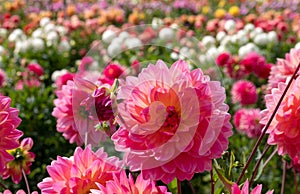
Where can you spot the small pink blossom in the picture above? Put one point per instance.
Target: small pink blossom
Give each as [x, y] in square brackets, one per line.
[80, 173]
[173, 122]
[245, 189]
[284, 129]
[224, 59]
[244, 92]
[247, 122]
[111, 72]
[63, 79]
[253, 62]
[23, 159]
[36, 69]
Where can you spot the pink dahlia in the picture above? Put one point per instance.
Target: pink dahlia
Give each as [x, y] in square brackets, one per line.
[122, 184]
[98, 107]
[224, 59]
[9, 135]
[63, 79]
[284, 68]
[76, 115]
[173, 122]
[111, 72]
[245, 189]
[244, 92]
[253, 62]
[80, 173]
[247, 122]
[23, 159]
[36, 69]
[284, 130]
[63, 111]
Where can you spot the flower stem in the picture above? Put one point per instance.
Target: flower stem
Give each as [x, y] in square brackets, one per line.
[178, 186]
[86, 133]
[284, 164]
[212, 182]
[270, 157]
[3, 186]
[295, 181]
[26, 181]
[267, 125]
[192, 187]
[267, 147]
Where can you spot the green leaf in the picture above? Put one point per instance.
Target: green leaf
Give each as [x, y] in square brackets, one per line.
[173, 186]
[227, 183]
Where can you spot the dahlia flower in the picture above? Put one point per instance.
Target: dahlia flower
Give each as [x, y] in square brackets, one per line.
[247, 122]
[284, 129]
[22, 161]
[224, 59]
[111, 72]
[244, 92]
[98, 105]
[36, 69]
[63, 111]
[124, 185]
[80, 173]
[173, 122]
[9, 135]
[245, 189]
[284, 68]
[257, 64]
[75, 110]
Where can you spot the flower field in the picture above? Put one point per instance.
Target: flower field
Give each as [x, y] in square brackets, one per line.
[132, 97]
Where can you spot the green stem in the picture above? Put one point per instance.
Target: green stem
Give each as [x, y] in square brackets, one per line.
[192, 187]
[270, 157]
[295, 181]
[3, 186]
[212, 181]
[178, 186]
[267, 147]
[284, 164]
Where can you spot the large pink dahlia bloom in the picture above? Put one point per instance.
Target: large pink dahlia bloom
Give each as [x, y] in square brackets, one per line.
[122, 184]
[80, 173]
[284, 130]
[173, 122]
[9, 135]
[284, 68]
[245, 189]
